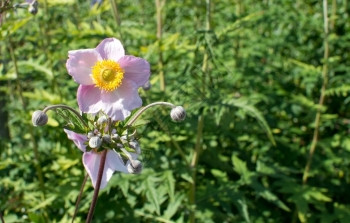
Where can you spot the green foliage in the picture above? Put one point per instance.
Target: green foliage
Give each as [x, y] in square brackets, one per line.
[252, 70]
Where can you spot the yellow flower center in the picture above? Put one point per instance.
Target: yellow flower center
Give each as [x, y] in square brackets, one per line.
[107, 75]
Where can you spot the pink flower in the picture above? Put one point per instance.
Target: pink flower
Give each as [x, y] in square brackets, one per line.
[109, 79]
[91, 160]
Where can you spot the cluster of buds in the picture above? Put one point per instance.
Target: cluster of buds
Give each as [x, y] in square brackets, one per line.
[104, 134]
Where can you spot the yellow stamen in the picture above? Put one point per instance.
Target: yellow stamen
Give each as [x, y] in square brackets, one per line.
[107, 75]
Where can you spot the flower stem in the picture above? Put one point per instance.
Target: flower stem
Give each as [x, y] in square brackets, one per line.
[36, 162]
[97, 187]
[68, 108]
[79, 197]
[193, 165]
[159, 7]
[2, 218]
[322, 96]
[139, 112]
[200, 125]
[116, 17]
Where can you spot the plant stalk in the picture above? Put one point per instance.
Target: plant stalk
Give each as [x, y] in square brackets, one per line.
[200, 125]
[322, 96]
[159, 7]
[116, 17]
[2, 218]
[97, 187]
[79, 197]
[139, 112]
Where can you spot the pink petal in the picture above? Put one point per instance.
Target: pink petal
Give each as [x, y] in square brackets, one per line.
[91, 161]
[79, 64]
[115, 162]
[118, 104]
[111, 49]
[136, 69]
[89, 99]
[78, 139]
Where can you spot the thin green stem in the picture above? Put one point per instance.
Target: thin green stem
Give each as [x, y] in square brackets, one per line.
[159, 8]
[37, 162]
[139, 112]
[18, 84]
[322, 96]
[193, 166]
[79, 197]
[200, 125]
[116, 17]
[97, 186]
[68, 108]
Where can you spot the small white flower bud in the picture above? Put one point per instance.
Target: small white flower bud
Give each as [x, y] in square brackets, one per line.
[33, 7]
[115, 136]
[90, 135]
[147, 86]
[134, 166]
[39, 118]
[178, 114]
[101, 120]
[106, 138]
[95, 142]
[124, 139]
[136, 146]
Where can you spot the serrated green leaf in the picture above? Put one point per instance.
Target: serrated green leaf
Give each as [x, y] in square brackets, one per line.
[151, 194]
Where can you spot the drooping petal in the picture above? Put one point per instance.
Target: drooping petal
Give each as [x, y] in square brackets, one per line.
[78, 139]
[91, 161]
[115, 162]
[118, 103]
[110, 49]
[136, 69]
[79, 64]
[89, 99]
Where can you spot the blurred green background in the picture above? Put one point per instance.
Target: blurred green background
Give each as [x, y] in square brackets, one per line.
[250, 75]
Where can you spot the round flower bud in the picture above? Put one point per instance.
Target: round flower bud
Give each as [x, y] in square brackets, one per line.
[136, 146]
[147, 86]
[39, 118]
[134, 166]
[124, 139]
[178, 114]
[101, 120]
[106, 138]
[95, 142]
[33, 7]
[90, 135]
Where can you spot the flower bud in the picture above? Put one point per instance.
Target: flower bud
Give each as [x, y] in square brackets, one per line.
[90, 135]
[147, 86]
[178, 114]
[33, 7]
[115, 136]
[134, 166]
[136, 146]
[39, 118]
[95, 142]
[101, 120]
[123, 139]
[106, 138]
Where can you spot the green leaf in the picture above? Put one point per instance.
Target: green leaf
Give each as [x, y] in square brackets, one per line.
[152, 195]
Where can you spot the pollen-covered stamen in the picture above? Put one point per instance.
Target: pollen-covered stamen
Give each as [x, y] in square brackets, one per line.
[107, 75]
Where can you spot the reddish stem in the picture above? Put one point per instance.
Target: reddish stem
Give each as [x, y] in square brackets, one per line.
[97, 187]
[79, 197]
